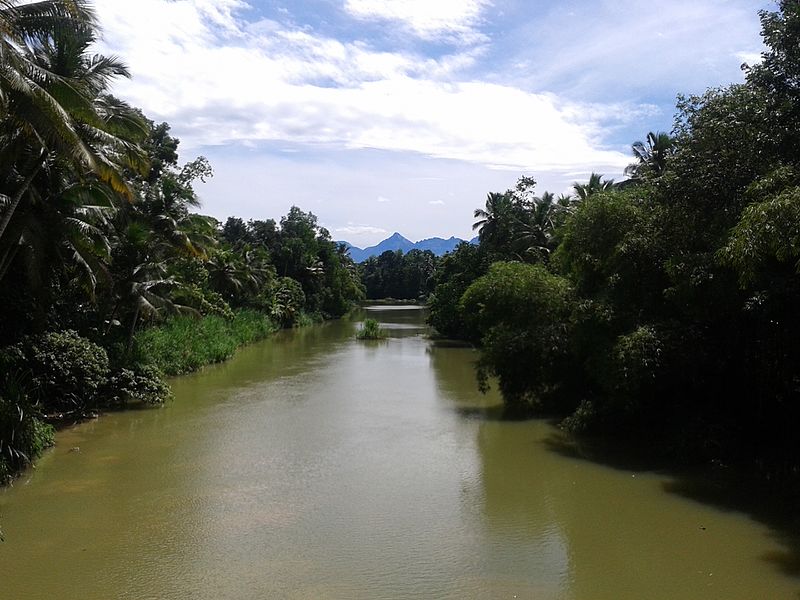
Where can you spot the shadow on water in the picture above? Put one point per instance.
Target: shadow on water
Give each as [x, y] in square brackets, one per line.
[446, 343]
[457, 380]
[500, 412]
[723, 488]
[484, 413]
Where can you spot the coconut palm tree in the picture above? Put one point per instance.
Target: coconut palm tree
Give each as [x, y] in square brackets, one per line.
[70, 196]
[595, 184]
[53, 101]
[237, 273]
[26, 86]
[535, 237]
[493, 217]
[65, 236]
[651, 155]
[168, 214]
[142, 287]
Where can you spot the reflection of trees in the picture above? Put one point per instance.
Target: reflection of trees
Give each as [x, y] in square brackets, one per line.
[511, 497]
[518, 479]
[520, 488]
[454, 369]
[397, 321]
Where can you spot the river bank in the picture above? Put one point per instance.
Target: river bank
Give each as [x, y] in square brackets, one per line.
[180, 345]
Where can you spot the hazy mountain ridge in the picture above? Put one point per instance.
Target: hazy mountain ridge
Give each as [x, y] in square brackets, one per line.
[439, 246]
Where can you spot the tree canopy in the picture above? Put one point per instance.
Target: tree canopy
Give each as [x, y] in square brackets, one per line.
[664, 305]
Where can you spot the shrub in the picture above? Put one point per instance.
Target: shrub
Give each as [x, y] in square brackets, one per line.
[637, 357]
[583, 419]
[370, 330]
[522, 314]
[23, 437]
[285, 300]
[64, 370]
[305, 319]
[140, 383]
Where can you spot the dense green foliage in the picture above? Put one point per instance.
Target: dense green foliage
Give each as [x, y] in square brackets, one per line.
[141, 383]
[65, 370]
[520, 314]
[663, 307]
[456, 271]
[401, 276]
[99, 244]
[185, 343]
[23, 436]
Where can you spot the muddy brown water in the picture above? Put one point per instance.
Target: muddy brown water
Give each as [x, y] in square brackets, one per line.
[316, 466]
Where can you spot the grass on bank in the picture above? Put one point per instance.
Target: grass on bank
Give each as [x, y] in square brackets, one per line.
[371, 330]
[185, 344]
[70, 372]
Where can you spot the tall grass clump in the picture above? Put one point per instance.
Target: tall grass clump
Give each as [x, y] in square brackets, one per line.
[184, 344]
[23, 435]
[304, 319]
[370, 330]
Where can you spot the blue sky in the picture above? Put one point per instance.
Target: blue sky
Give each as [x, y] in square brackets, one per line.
[400, 115]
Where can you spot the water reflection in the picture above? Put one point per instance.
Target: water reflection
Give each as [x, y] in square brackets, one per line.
[406, 320]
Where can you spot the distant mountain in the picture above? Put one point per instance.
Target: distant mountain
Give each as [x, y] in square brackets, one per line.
[438, 246]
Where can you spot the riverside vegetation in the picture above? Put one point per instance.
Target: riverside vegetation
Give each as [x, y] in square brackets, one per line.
[664, 307]
[108, 280]
[370, 330]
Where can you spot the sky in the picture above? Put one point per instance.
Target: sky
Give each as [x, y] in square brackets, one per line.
[401, 115]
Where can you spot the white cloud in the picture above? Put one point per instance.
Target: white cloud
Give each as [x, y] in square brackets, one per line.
[453, 20]
[360, 230]
[383, 199]
[288, 115]
[437, 202]
[632, 48]
[751, 58]
[245, 83]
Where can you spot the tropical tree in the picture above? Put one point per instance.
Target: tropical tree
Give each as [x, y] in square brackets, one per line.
[142, 287]
[651, 155]
[54, 104]
[535, 239]
[490, 217]
[165, 204]
[240, 274]
[595, 185]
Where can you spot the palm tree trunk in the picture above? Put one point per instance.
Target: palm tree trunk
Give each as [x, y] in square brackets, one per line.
[132, 331]
[8, 258]
[17, 197]
[111, 318]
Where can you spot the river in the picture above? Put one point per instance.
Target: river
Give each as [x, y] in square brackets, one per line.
[316, 466]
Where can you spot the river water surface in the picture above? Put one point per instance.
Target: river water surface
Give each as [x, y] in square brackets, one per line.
[316, 466]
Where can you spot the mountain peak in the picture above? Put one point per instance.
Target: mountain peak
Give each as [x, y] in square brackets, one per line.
[397, 241]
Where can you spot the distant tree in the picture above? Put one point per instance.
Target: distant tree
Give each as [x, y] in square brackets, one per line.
[454, 274]
[235, 232]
